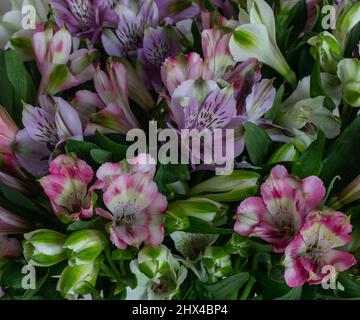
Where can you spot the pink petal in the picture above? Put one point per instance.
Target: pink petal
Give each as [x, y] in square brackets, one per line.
[248, 215]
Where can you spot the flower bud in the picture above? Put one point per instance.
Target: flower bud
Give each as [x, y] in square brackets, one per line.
[44, 248]
[233, 187]
[202, 208]
[11, 223]
[347, 19]
[84, 246]
[349, 194]
[287, 152]
[217, 262]
[330, 51]
[78, 280]
[349, 74]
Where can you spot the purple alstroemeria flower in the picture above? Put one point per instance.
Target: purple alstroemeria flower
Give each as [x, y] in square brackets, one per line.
[203, 106]
[46, 127]
[173, 11]
[159, 44]
[85, 18]
[134, 18]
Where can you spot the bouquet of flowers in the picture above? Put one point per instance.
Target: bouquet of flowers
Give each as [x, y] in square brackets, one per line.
[178, 149]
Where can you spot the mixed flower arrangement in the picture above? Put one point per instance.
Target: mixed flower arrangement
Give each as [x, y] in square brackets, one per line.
[80, 219]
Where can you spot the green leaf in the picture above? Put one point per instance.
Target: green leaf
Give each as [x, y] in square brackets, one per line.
[352, 41]
[82, 149]
[118, 150]
[275, 109]
[293, 294]
[344, 157]
[100, 156]
[197, 38]
[198, 225]
[169, 173]
[12, 276]
[351, 286]
[310, 161]
[97, 223]
[227, 289]
[257, 142]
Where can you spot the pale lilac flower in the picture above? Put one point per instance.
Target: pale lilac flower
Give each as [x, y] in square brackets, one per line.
[133, 200]
[314, 248]
[172, 11]
[159, 44]
[134, 18]
[46, 127]
[108, 110]
[85, 18]
[279, 213]
[67, 188]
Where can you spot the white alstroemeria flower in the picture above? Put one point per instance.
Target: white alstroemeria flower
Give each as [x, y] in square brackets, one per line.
[300, 109]
[258, 40]
[12, 20]
[158, 273]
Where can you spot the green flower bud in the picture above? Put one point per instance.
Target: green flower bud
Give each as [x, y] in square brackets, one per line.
[78, 279]
[233, 187]
[84, 246]
[349, 74]
[348, 17]
[154, 261]
[44, 248]
[286, 152]
[217, 262]
[202, 208]
[330, 51]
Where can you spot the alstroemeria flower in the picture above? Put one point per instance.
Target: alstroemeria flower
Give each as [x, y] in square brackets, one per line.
[13, 34]
[8, 131]
[258, 40]
[299, 109]
[176, 70]
[11, 223]
[203, 106]
[159, 44]
[46, 126]
[67, 188]
[159, 275]
[313, 248]
[9, 248]
[61, 66]
[134, 18]
[85, 18]
[172, 11]
[109, 109]
[134, 202]
[279, 213]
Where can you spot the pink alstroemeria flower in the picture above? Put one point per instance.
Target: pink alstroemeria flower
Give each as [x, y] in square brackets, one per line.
[67, 188]
[279, 213]
[134, 202]
[61, 66]
[108, 110]
[313, 248]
